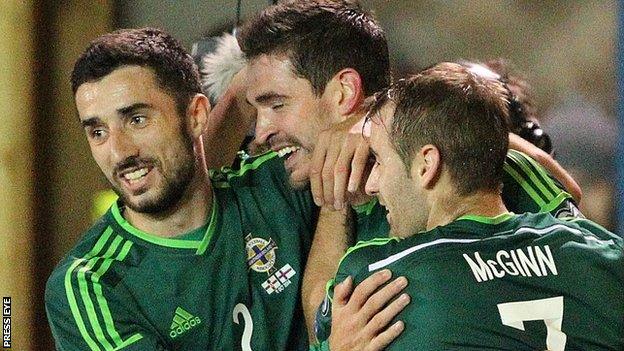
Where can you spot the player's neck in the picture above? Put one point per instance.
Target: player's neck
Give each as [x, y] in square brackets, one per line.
[190, 213]
[450, 207]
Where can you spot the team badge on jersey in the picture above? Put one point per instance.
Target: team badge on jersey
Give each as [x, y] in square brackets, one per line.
[261, 257]
[260, 253]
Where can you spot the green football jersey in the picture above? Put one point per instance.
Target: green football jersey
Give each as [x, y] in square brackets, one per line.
[527, 187]
[512, 282]
[232, 285]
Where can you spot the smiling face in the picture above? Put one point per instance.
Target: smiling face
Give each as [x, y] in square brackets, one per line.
[137, 138]
[290, 116]
[396, 187]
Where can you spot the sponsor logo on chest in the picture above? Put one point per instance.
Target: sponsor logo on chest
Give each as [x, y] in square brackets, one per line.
[183, 321]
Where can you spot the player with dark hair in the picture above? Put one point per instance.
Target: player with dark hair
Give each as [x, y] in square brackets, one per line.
[187, 259]
[481, 277]
[311, 66]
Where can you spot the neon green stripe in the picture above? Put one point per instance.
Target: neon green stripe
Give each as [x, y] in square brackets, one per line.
[97, 287]
[175, 243]
[525, 185]
[328, 286]
[488, 220]
[366, 208]
[74, 307]
[520, 161]
[69, 290]
[86, 299]
[547, 179]
[540, 173]
[555, 202]
[361, 244]
[184, 313]
[178, 319]
[255, 164]
[212, 225]
[134, 338]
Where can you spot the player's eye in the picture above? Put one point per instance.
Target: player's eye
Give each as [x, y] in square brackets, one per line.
[277, 106]
[96, 134]
[138, 120]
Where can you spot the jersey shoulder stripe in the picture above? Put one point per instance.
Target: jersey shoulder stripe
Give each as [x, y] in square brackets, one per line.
[535, 181]
[222, 178]
[83, 289]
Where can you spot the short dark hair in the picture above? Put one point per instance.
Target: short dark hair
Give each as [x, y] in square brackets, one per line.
[147, 47]
[462, 114]
[321, 37]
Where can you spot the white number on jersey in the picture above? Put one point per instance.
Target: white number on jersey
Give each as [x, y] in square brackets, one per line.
[246, 340]
[549, 310]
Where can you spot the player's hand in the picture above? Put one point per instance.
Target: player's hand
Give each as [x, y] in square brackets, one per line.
[360, 320]
[338, 165]
[544, 159]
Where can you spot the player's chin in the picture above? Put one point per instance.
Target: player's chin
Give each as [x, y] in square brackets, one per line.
[298, 182]
[299, 177]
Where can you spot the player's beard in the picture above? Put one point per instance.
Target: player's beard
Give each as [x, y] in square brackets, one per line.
[175, 184]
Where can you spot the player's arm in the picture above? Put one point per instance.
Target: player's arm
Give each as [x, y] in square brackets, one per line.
[228, 124]
[81, 321]
[528, 187]
[329, 244]
[548, 162]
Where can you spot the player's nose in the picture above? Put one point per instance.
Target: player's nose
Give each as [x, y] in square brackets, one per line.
[121, 146]
[372, 184]
[264, 129]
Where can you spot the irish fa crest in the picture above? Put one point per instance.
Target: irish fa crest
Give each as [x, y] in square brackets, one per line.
[260, 253]
[261, 257]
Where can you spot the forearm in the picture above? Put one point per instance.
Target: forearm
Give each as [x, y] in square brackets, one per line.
[331, 239]
[228, 124]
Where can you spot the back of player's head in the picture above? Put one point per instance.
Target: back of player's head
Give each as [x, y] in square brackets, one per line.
[522, 112]
[320, 38]
[463, 114]
[173, 67]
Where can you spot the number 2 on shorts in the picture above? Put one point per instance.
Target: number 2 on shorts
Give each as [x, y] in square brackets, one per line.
[549, 310]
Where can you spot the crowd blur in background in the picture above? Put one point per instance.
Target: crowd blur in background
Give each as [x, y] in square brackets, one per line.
[566, 50]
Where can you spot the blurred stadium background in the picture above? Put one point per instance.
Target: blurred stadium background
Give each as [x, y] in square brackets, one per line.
[565, 48]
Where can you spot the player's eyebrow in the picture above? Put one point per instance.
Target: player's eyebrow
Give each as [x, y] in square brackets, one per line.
[268, 97]
[124, 111]
[90, 122]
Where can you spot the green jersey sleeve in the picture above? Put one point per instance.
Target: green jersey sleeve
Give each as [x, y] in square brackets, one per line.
[528, 187]
[350, 265]
[84, 308]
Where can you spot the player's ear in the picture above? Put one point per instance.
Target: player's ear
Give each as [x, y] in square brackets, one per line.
[346, 91]
[427, 166]
[197, 115]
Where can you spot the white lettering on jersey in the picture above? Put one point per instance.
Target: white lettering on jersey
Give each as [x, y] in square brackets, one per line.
[527, 262]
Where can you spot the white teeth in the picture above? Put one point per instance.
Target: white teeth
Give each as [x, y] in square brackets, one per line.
[287, 150]
[136, 174]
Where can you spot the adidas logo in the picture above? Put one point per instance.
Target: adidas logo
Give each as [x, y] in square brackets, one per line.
[182, 322]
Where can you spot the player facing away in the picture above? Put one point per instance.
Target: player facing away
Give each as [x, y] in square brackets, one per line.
[187, 259]
[480, 276]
